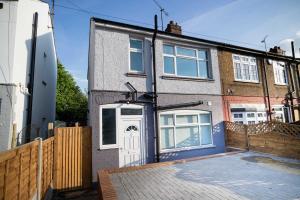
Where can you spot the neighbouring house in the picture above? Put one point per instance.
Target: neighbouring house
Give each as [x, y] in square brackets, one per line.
[28, 71]
[256, 90]
[145, 108]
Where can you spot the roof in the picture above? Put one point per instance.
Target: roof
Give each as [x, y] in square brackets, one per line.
[220, 45]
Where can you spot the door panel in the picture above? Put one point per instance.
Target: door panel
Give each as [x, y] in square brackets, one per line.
[130, 142]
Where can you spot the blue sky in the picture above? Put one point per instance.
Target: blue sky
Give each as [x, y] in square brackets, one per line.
[240, 22]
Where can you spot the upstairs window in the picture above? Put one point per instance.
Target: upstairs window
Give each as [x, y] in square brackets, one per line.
[186, 62]
[245, 68]
[136, 56]
[280, 74]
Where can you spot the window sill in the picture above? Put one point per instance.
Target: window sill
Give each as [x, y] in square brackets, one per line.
[187, 148]
[180, 78]
[139, 75]
[251, 82]
[281, 84]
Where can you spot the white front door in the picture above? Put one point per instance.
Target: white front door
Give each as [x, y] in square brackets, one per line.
[130, 151]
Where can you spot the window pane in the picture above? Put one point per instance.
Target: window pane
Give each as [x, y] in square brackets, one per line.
[186, 67]
[204, 118]
[167, 138]
[238, 71]
[186, 52]
[206, 135]
[109, 126]
[186, 119]
[203, 69]
[169, 67]
[136, 61]
[168, 49]
[166, 120]
[187, 136]
[137, 44]
[131, 111]
[202, 54]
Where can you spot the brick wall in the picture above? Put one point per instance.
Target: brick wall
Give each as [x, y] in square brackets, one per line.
[243, 88]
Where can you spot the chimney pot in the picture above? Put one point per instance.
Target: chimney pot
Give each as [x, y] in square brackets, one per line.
[277, 50]
[173, 27]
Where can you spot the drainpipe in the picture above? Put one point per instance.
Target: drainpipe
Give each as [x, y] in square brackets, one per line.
[296, 78]
[267, 89]
[155, 90]
[31, 75]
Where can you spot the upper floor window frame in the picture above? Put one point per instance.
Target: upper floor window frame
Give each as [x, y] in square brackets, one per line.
[136, 50]
[280, 73]
[247, 64]
[196, 57]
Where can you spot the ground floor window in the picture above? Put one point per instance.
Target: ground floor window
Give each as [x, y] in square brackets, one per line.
[185, 129]
[111, 116]
[249, 117]
[253, 114]
[281, 113]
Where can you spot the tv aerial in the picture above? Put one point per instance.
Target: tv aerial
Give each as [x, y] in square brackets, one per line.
[162, 11]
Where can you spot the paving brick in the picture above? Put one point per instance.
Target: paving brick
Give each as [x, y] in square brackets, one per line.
[229, 177]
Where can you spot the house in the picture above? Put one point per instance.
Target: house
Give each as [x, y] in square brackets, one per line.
[120, 88]
[159, 95]
[28, 71]
[255, 90]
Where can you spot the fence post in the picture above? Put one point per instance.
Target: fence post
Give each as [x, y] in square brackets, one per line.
[40, 163]
[14, 139]
[50, 129]
[246, 136]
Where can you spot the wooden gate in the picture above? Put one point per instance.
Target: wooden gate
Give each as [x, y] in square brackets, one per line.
[73, 158]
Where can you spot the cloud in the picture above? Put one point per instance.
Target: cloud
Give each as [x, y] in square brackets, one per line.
[285, 44]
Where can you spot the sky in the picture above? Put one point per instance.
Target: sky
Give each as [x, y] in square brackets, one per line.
[239, 22]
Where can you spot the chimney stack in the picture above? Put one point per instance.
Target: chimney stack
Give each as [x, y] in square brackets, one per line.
[277, 50]
[173, 27]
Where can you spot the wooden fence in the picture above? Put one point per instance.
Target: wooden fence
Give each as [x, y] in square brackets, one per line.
[73, 158]
[270, 137]
[65, 160]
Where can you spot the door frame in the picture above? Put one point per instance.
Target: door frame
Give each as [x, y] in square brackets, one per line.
[119, 118]
[142, 136]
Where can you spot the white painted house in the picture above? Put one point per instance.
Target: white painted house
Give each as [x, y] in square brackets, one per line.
[27, 70]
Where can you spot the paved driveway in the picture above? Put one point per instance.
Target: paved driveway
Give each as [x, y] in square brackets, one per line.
[241, 176]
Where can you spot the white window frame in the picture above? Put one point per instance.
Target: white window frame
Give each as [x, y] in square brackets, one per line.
[175, 113]
[176, 55]
[242, 63]
[279, 71]
[118, 108]
[138, 51]
[245, 119]
[282, 112]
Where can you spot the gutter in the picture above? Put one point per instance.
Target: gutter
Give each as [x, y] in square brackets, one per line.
[221, 45]
[31, 75]
[156, 138]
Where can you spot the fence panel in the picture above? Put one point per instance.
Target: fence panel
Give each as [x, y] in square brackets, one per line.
[47, 170]
[73, 158]
[270, 137]
[18, 172]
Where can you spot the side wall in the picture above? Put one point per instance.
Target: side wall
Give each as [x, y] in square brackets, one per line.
[16, 62]
[7, 100]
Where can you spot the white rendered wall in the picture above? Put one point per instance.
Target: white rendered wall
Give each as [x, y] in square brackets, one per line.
[45, 66]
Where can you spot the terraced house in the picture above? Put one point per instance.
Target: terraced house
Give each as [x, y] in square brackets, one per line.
[256, 89]
[157, 96]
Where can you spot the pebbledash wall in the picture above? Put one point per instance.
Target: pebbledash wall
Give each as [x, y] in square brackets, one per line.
[109, 71]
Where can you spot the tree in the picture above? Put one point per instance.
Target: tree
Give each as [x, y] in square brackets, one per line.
[71, 102]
